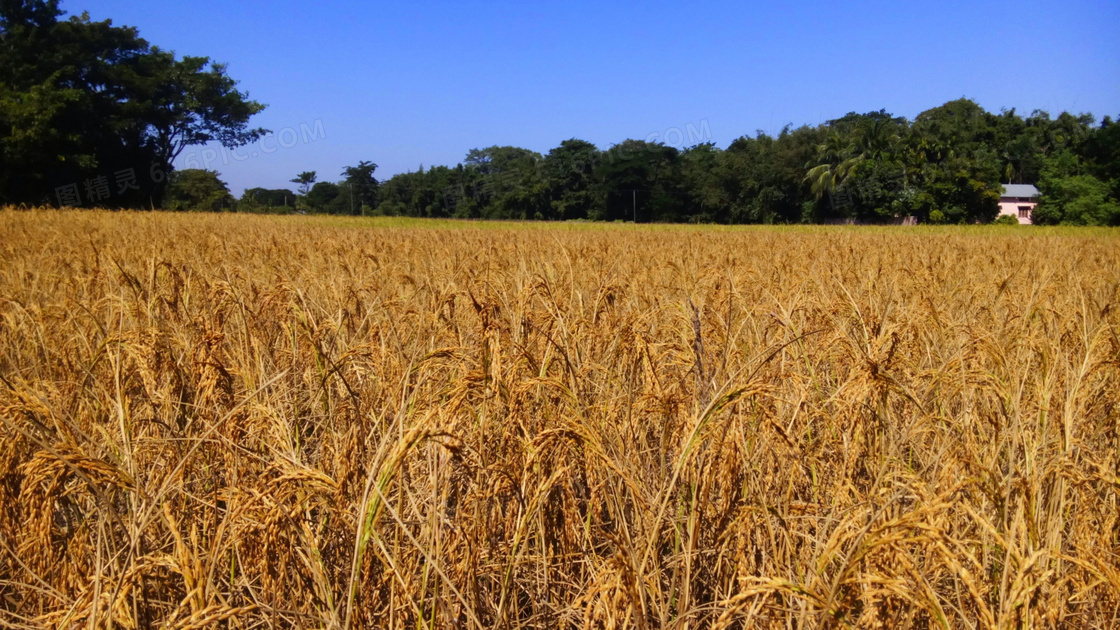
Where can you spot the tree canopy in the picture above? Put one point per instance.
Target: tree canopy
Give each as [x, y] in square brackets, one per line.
[91, 113]
[947, 165]
[198, 189]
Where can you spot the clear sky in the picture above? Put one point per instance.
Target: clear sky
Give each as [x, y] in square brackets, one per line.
[422, 82]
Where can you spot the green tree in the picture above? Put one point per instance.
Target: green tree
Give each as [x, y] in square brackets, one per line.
[305, 180]
[859, 166]
[764, 177]
[836, 159]
[197, 189]
[960, 171]
[437, 192]
[569, 172]
[707, 198]
[322, 195]
[83, 100]
[192, 101]
[640, 181]
[361, 185]
[961, 125]
[504, 183]
[1101, 154]
[1073, 196]
[266, 200]
[964, 189]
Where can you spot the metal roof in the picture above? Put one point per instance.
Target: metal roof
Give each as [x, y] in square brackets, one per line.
[1020, 190]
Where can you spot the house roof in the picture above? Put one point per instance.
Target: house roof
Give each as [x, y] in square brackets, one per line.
[1020, 190]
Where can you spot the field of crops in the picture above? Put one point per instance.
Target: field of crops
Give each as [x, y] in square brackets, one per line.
[245, 421]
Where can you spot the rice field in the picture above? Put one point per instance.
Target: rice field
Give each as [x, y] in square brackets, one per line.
[231, 421]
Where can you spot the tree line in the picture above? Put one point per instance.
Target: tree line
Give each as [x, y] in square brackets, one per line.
[92, 114]
[948, 165]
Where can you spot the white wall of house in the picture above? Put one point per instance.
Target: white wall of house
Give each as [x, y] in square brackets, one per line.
[1022, 209]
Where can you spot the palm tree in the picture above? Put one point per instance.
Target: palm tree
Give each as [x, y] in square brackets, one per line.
[835, 162]
[877, 139]
[837, 158]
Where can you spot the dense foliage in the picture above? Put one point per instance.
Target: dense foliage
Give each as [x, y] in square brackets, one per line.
[192, 188]
[90, 113]
[947, 165]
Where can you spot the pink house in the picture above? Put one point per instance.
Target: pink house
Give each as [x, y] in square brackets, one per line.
[1019, 201]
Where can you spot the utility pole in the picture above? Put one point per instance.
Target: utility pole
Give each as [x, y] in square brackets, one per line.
[634, 194]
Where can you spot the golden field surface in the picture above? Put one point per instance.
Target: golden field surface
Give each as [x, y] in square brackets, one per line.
[212, 421]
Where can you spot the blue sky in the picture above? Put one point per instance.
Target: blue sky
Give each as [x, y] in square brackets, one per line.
[420, 82]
